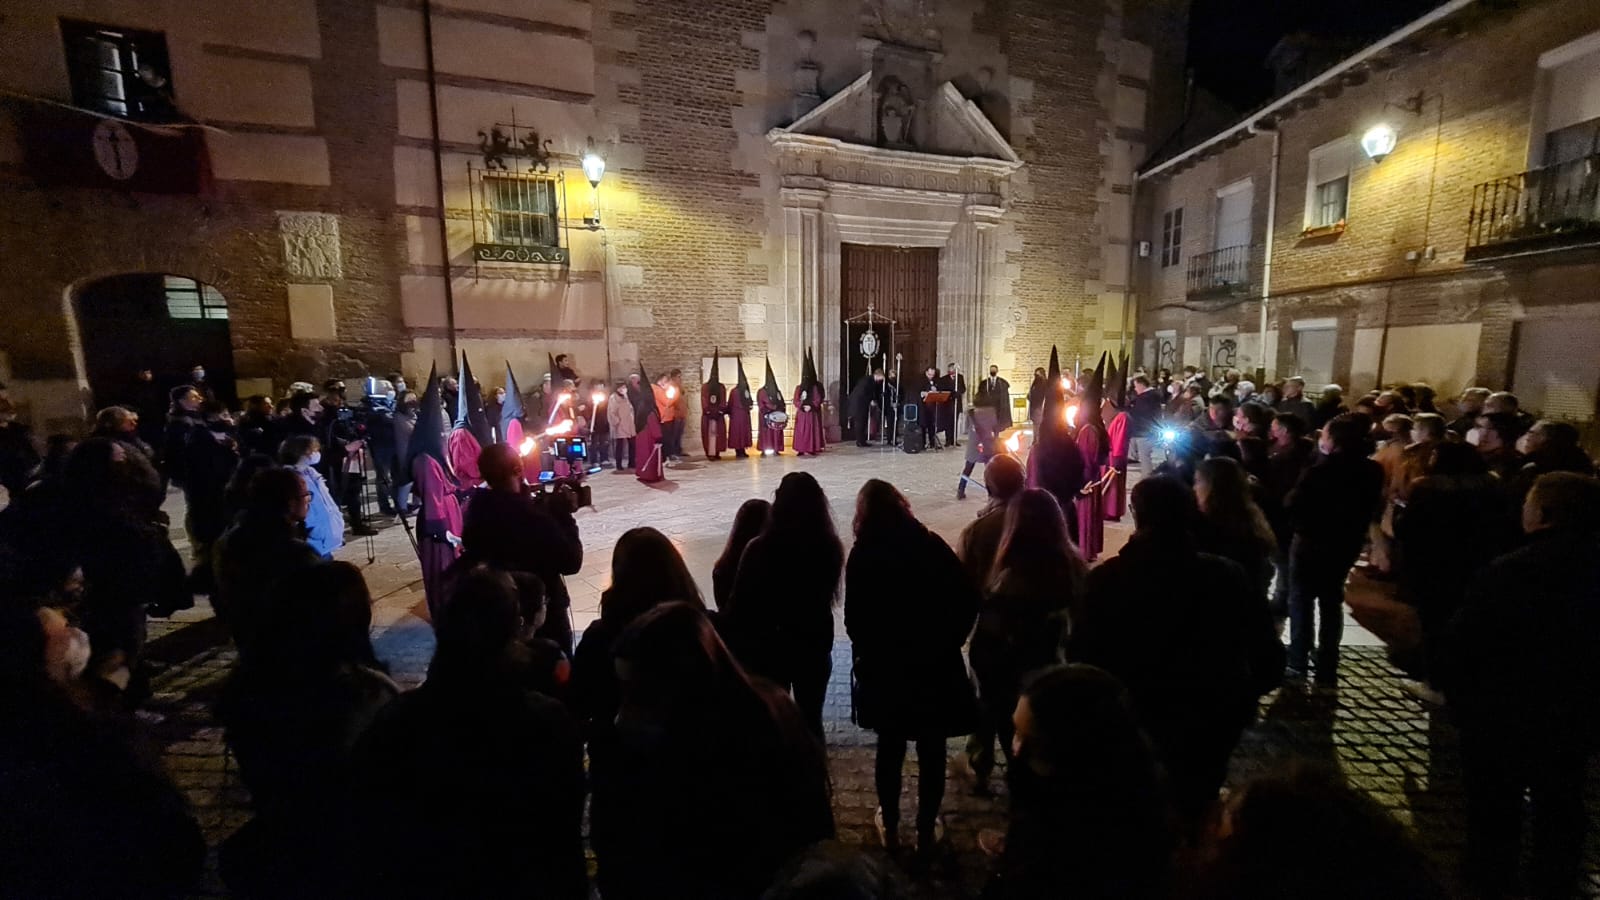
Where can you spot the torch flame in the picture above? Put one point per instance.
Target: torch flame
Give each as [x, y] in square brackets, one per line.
[672, 392]
[1014, 443]
[559, 428]
[1072, 414]
[598, 397]
[564, 399]
[527, 445]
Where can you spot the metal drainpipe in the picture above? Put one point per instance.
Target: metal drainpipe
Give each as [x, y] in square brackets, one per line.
[438, 175]
[1127, 287]
[1272, 225]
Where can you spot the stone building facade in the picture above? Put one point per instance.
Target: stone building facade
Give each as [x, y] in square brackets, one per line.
[380, 181]
[1468, 255]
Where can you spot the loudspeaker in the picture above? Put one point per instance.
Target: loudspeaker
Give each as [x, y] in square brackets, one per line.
[911, 438]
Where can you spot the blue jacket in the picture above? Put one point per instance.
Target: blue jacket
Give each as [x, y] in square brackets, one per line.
[324, 521]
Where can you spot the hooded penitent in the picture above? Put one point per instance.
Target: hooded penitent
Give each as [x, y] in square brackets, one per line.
[511, 412]
[1093, 393]
[774, 395]
[741, 388]
[428, 438]
[1114, 383]
[645, 403]
[469, 406]
[808, 379]
[1052, 419]
[713, 386]
[1120, 394]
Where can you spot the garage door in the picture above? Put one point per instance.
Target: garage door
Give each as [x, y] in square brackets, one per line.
[1557, 372]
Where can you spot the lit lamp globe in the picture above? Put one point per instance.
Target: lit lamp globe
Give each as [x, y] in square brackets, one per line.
[1378, 142]
[594, 168]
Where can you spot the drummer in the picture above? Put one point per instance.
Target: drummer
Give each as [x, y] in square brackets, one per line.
[774, 415]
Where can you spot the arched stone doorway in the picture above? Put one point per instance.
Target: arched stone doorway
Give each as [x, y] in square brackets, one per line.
[146, 320]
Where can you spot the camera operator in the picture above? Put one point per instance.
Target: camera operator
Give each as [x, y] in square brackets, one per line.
[343, 440]
[377, 420]
[508, 527]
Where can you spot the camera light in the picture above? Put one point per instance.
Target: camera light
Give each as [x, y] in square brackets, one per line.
[528, 443]
[1169, 434]
[597, 398]
[770, 453]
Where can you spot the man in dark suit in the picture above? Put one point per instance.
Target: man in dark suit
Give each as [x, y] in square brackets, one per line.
[931, 412]
[995, 392]
[956, 383]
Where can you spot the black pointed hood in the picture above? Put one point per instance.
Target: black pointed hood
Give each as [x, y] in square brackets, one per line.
[774, 395]
[808, 378]
[713, 386]
[1055, 396]
[645, 403]
[741, 388]
[428, 437]
[469, 406]
[1119, 384]
[1094, 392]
[512, 407]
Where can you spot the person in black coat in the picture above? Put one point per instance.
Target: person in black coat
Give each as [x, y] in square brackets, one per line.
[995, 393]
[293, 711]
[930, 415]
[748, 523]
[716, 782]
[507, 527]
[1330, 510]
[266, 545]
[84, 810]
[183, 421]
[483, 777]
[906, 629]
[146, 398]
[259, 432]
[1195, 655]
[1521, 666]
[867, 393]
[956, 383]
[212, 455]
[780, 618]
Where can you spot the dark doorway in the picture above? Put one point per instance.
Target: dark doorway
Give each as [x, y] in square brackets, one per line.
[165, 323]
[902, 284]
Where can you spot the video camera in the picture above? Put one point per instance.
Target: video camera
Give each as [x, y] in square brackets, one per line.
[573, 451]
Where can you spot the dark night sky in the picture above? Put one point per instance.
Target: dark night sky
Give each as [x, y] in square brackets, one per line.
[1229, 39]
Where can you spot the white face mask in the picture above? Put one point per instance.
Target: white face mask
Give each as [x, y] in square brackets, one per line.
[314, 458]
[1474, 435]
[389, 395]
[76, 658]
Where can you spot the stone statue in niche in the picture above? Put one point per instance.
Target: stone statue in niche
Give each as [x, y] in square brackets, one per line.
[897, 111]
[311, 245]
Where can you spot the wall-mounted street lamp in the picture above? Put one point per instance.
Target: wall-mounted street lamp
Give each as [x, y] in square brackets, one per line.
[594, 168]
[1378, 142]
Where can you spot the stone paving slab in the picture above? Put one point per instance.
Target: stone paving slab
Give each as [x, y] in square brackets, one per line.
[1388, 744]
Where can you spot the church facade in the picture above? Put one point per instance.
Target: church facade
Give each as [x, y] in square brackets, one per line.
[337, 188]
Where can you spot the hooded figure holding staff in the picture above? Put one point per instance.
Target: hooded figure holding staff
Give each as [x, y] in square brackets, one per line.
[808, 397]
[471, 433]
[649, 459]
[713, 412]
[439, 520]
[1055, 464]
[739, 405]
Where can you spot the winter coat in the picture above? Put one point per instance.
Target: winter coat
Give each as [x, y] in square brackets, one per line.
[1333, 505]
[907, 623]
[1022, 621]
[248, 561]
[517, 533]
[324, 521]
[780, 621]
[619, 415]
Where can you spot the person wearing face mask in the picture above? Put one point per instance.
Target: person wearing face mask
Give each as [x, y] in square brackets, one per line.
[406, 411]
[483, 773]
[995, 393]
[197, 380]
[324, 521]
[83, 812]
[1089, 814]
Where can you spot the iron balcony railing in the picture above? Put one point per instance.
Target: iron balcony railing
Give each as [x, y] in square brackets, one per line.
[1224, 271]
[1541, 209]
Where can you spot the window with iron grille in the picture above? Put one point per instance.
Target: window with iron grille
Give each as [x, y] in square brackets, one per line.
[121, 71]
[189, 299]
[1171, 237]
[521, 209]
[1328, 207]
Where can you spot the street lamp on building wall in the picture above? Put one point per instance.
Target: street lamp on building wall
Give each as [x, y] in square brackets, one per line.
[594, 168]
[1378, 142]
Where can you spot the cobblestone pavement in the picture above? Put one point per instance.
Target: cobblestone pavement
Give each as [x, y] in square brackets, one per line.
[1387, 743]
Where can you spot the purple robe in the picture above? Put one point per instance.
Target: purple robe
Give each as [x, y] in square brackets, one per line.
[462, 449]
[1116, 500]
[738, 421]
[441, 515]
[1089, 509]
[771, 435]
[648, 460]
[808, 437]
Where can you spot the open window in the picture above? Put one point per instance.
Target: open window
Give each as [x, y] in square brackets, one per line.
[120, 71]
[1328, 185]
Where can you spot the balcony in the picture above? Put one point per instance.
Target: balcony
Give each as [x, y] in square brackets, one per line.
[1553, 208]
[1220, 274]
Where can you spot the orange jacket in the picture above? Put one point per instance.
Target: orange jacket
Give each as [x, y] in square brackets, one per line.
[669, 408]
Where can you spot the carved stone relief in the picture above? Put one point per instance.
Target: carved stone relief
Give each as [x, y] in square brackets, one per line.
[897, 111]
[311, 245]
[911, 23]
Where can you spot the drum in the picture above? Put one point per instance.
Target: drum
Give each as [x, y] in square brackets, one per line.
[777, 419]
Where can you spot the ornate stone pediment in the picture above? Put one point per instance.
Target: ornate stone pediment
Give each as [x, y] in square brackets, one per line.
[885, 112]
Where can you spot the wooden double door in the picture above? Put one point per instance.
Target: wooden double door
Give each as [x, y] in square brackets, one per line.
[902, 284]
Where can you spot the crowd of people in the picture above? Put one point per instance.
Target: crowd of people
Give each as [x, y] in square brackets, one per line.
[683, 744]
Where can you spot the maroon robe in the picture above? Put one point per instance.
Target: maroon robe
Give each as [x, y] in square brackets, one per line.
[1089, 509]
[648, 460]
[462, 449]
[441, 516]
[808, 436]
[738, 420]
[713, 426]
[771, 435]
[1116, 500]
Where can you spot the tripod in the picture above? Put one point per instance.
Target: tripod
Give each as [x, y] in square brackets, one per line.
[360, 470]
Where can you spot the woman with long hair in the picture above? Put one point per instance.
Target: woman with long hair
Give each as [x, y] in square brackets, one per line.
[749, 521]
[724, 831]
[907, 624]
[1233, 526]
[1089, 813]
[292, 712]
[781, 614]
[1029, 598]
